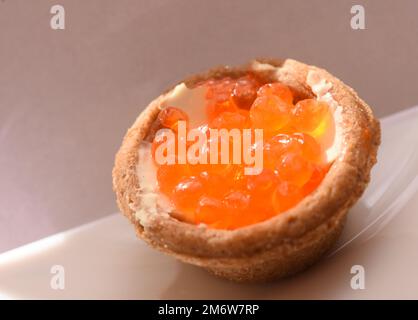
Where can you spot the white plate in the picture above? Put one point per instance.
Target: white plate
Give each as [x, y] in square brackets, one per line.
[105, 260]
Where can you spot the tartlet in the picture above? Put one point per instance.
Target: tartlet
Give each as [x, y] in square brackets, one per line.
[286, 243]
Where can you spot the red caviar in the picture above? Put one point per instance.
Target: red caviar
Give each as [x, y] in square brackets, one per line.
[221, 195]
[170, 116]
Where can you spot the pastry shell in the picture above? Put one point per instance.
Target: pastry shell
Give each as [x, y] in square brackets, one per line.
[286, 243]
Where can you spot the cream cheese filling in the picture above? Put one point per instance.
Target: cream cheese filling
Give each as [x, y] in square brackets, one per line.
[331, 140]
[192, 101]
[152, 201]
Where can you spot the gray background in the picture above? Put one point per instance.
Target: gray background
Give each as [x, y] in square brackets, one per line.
[68, 96]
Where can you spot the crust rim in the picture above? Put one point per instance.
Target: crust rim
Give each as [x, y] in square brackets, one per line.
[340, 189]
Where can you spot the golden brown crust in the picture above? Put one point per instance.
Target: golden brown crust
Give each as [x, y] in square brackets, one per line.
[286, 243]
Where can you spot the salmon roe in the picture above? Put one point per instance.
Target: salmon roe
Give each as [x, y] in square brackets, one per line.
[294, 163]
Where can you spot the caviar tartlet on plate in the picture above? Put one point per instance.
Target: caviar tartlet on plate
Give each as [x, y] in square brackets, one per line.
[319, 142]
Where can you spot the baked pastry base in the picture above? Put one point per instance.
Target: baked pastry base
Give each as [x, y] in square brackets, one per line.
[286, 243]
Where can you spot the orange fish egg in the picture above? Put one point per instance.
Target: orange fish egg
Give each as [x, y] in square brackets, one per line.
[214, 108]
[215, 184]
[262, 183]
[294, 168]
[310, 148]
[168, 176]
[186, 195]
[220, 89]
[308, 114]
[275, 147]
[230, 120]
[170, 116]
[218, 97]
[244, 92]
[237, 204]
[269, 113]
[210, 210]
[277, 89]
[286, 196]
